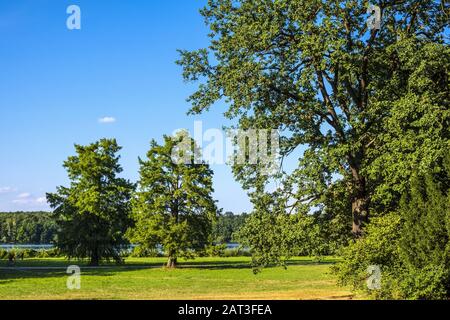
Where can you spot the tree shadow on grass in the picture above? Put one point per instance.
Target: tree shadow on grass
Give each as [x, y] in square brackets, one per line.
[29, 269]
[246, 265]
[8, 276]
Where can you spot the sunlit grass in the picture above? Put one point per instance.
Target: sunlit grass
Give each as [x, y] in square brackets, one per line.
[145, 278]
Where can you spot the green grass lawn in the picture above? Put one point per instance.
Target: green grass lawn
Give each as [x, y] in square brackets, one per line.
[145, 278]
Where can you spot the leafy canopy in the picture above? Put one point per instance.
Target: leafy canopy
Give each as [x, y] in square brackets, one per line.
[173, 206]
[411, 246]
[93, 212]
[314, 70]
[364, 107]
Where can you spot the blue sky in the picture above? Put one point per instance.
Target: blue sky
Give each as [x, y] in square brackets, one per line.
[55, 85]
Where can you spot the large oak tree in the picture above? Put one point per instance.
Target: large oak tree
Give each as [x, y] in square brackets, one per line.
[366, 106]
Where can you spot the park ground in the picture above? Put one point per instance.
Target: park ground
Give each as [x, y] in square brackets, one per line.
[144, 278]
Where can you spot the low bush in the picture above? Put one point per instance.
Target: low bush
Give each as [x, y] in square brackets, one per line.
[410, 246]
[237, 252]
[20, 254]
[217, 250]
[3, 254]
[141, 252]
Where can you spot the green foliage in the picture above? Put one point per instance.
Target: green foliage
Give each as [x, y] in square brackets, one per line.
[93, 213]
[226, 226]
[274, 236]
[3, 254]
[46, 253]
[143, 252]
[27, 228]
[215, 250]
[333, 219]
[414, 133]
[412, 247]
[236, 252]
[173, 207]
[30, 253]
[425, 241]
[379, 247]
[367, 108]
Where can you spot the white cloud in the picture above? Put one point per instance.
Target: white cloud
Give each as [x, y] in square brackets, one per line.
[24, 195]
[41, 200]
[107, 120]
[7, 190]
[21, 201]
[28, 199]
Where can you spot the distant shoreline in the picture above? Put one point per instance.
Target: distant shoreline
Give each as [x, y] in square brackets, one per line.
[231, 245]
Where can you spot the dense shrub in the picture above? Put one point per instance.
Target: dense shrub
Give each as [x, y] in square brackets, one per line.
[19, 254]
[142, 252]
[3, 254]
[49, 253]
[236, 252]
[274, 237]
[411, 246]
[378, 247]
[216, 250]
[227, 225]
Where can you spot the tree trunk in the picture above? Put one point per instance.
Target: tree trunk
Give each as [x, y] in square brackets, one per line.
[172, 262]
[360, 214]
[95, 260]
[360, 207]
[360, 200]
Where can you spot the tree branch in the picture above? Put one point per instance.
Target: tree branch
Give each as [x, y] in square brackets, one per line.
[335, 123]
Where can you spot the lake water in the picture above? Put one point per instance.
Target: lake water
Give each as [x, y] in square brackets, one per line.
[26, 246]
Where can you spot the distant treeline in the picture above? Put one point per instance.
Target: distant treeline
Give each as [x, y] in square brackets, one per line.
[40, 227]
[226, 226]
[27, 228]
